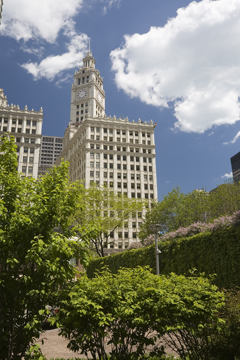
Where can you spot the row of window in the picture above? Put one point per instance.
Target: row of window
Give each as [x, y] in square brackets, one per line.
[18, 130]
[122, 166]
[27, 169]
[26, 150]
[19, 121]
[124, 176]
[121, 148]
[83, 80]
[119, 132]
[27, 159]
[82, 105]
[118, 139]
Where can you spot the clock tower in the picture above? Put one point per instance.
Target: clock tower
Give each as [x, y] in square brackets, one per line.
[87, 94]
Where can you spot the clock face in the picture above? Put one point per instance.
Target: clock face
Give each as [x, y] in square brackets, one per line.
[82, 94]
[99, 98]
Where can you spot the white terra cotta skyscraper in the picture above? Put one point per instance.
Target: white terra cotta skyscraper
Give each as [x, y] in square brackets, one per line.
[117, 153]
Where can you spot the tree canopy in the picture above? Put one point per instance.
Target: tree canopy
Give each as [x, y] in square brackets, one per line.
[34, 258]
[106, 210]
[181, 210]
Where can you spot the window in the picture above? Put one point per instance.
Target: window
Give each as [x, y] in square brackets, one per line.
[124, 176]
[144, 151]
[125, 185]
[119, 185]
[144, 168]
[138, 186]
[19, 130]
[150, 177]
[150, 168]
[19, 122]
[124, 158]
[131, 149]
[134, 225]
[111, 165]
[91, 164]
[137, 168]
[26, 140]
[119, 166]
[18, 139]
[77, 106]
[110, 147]
[119, 234]
[119, 175]
[118, 148]
[132, 167]
[138, 176]
[31, 150]
[105, 175]
[5, 121]
[134, 235]
[30, 169]
[105, 156]
[133, 195]
[132, 176]
[97, 164]
[31, 160]
[111, 156]
[97, 129]
[32, 141]
[151, 186]
[13, 129]
[149, 151]
[146, 196]
[149, 160]
[24, 159]
[131, 158]
[118, 132]
[24, 169]
[118, 157]
[111, 175]
[105, 147]
[144, 159]
[14, 121]
[105, 130]
[92, 137]
[105, 165]
[123, 149]
[92, 129]
[91, 173]
[136, 133]
[148, 135]
[92, 146]
[124, 167]
[146, 186]
[105, 138]
[118, 139]
[28, 122]
[91, 155]
[27, 131]
[137, 158]
[25, 150]
[126, 235]
[97, 156]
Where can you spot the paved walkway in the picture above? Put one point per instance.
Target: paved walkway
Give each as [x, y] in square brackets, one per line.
[56, 346]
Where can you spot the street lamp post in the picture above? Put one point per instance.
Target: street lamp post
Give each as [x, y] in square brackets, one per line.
[155, 229]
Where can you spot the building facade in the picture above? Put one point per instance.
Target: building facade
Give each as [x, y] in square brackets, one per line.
[235, 163]
[26, 126]
[50, 149]
[1, 6]
[117, 153]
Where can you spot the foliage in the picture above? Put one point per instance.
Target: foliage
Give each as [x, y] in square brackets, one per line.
[101, 207]
[178, 210]
[225, 346]
[34, 259]
[217, 252]
[133, 309]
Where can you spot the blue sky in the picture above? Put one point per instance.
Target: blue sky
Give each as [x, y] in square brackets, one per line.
[176, 62]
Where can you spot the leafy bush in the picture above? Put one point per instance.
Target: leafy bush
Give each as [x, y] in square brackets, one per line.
[133, 309]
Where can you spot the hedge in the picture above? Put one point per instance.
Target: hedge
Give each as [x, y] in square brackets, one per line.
[216, 252]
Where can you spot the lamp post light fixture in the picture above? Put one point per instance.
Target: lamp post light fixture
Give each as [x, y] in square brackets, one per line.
[155, 228]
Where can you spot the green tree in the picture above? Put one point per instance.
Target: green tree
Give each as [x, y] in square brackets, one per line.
[107, 210]
[34, 259]
[134, 308]
[181, 210]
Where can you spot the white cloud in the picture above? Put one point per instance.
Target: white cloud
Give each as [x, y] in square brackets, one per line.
[109, 4]
[54, 65]
[233, 140]
[227, 176]
[38, 19]
[192, 62]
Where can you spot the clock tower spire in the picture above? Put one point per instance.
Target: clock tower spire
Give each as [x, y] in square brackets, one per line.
[87, 94]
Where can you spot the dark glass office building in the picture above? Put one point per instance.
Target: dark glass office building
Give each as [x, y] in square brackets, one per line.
[235, 162]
